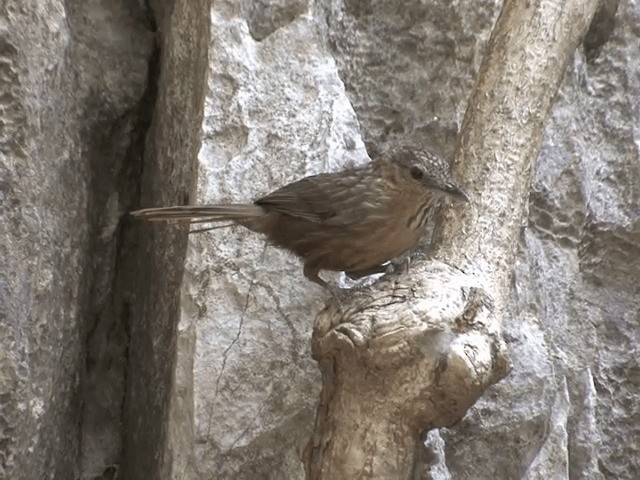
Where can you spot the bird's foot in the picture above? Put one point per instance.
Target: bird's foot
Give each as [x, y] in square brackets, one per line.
[394, 269]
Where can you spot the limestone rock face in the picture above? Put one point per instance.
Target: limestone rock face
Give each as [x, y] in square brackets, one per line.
[72, 74]
[112, 362]
[276, 111]
[566, 410]
[83, 102]
[407, 68]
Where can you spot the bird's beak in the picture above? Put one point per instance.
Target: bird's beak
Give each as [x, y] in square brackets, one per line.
[456, 192]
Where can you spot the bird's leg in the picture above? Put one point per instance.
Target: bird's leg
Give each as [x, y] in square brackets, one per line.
[402, 267]
[311, 272]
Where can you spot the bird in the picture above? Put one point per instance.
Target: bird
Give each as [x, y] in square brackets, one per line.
[355, 220]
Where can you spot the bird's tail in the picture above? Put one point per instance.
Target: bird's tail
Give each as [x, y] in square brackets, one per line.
[200, 214]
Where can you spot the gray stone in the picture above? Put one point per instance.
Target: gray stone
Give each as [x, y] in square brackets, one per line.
[72, 74]
[575, 282]
[566, 408]
[93, 308]
[152, 259]
[276, 110]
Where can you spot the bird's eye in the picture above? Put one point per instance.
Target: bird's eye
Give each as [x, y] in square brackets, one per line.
[416, 172]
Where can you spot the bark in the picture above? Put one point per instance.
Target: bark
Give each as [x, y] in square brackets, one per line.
[418, 352]
[500, 138]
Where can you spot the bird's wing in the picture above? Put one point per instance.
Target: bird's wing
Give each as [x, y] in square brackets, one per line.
[329, 198]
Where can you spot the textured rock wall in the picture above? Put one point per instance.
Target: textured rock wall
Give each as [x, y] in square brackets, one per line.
[152, 262]
[567, 408]
[89, 303]
[276, 111]
[72, 74]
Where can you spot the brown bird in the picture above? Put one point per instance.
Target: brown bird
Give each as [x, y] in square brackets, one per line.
[355, 220]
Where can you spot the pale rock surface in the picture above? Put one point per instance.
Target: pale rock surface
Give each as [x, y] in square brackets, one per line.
[566, 409]
[293, 86]
[276, 111]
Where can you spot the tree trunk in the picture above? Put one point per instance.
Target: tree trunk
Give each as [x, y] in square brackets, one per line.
[421, 349]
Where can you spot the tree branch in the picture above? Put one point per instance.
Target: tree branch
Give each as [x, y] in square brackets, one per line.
[501, 135]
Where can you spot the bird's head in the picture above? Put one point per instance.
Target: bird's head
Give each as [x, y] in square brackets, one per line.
[429, 169]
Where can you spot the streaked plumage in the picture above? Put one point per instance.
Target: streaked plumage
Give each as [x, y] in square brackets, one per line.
[354, 220]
